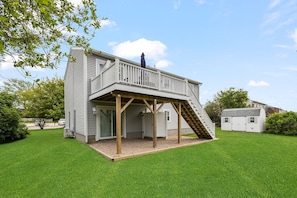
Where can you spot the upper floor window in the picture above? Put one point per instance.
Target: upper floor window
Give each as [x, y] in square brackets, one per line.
[99, 66]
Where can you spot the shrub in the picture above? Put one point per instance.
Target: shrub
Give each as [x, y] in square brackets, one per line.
[282, 123]
[10, 127]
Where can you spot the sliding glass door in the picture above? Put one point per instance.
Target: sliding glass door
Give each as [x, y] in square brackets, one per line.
[107, 119]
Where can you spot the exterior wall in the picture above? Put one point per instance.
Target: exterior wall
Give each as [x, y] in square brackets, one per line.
[226, 126]
[172, 122]
[91, 72]
[75, 89]
[235, 123]
[256, 104]
[161, 125]
[259, 126]
[134, 121]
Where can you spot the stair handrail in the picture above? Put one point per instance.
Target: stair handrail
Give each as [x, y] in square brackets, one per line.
[203, 113]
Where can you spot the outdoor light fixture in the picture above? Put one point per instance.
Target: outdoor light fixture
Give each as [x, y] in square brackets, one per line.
[94, 110]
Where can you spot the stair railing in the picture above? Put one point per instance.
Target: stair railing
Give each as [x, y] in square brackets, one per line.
[201, 113]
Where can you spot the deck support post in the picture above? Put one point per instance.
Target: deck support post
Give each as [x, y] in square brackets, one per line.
[155, 123]
[119, 124]
[179, 123]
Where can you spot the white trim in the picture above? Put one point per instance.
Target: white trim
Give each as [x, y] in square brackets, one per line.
[85, 92]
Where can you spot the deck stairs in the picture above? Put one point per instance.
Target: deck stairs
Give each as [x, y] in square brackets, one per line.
[197, 118]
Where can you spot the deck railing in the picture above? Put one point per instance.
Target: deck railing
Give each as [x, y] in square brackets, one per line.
[134, 75]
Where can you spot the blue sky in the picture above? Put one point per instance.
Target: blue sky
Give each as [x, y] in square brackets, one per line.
[221, 43]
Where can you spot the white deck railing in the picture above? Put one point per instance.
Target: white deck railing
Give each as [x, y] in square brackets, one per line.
[133, 75]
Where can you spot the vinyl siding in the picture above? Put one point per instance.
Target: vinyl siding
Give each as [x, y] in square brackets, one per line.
[91, 62]
[74, 91]
[134, 118]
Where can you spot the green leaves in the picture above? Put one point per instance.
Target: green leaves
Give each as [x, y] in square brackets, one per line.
[10, 128]
[232, 98]
[282, 123]
[41, 99]
[36, 31]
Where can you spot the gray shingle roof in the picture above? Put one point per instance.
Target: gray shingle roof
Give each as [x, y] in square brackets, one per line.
[241, 112]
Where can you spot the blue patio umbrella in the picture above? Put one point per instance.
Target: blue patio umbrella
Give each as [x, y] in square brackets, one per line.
[142, 62]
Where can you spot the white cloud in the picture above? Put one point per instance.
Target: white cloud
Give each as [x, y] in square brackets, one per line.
[261, 83]
[162, 63]
[274, 3]
[290, 68]
[7, 63]
[107, 23]
[282, 15]
[294, 36]
[154, 51]
[271, 18]
[282, 46]
[176, 4]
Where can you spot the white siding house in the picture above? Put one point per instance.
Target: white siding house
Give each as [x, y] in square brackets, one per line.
[111, 97]
[243, 119]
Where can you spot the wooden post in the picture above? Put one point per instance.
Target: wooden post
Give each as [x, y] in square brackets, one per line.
[179, 123]
[155, 123]
[119, 124]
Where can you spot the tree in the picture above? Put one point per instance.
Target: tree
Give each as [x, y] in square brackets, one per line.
[17, 87]
[224, 99]
[38, 100]
[44, 100]
[214, 112]
[232, 98]
[11, 128]
[33, 32]
[282, 123]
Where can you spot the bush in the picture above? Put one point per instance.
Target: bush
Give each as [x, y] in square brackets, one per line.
[282, 123]
[10, 127]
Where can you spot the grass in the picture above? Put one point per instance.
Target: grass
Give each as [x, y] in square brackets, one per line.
[237, 165]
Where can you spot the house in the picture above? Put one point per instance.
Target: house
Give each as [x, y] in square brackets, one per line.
[256, 104]
[111, 97]
[243, 119]
[269, 110]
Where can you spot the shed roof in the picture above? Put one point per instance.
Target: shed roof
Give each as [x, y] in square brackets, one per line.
[241, 112]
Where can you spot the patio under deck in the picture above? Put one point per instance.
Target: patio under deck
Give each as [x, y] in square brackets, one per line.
[139, 147]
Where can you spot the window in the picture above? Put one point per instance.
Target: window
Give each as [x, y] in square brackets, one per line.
[252, 120]
[168, 114]
[99, 66]
[226, 120]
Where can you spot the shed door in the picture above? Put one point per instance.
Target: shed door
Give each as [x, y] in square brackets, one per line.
[238, 124]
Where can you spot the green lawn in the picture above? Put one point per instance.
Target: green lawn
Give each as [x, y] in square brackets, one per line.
[237, 165]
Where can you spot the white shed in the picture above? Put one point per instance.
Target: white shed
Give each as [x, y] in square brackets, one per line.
[243, 119]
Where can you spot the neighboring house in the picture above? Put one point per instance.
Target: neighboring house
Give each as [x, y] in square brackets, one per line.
[110, 97]
[269, 110]
[272, 110]
[256, 104]
[243, 119]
